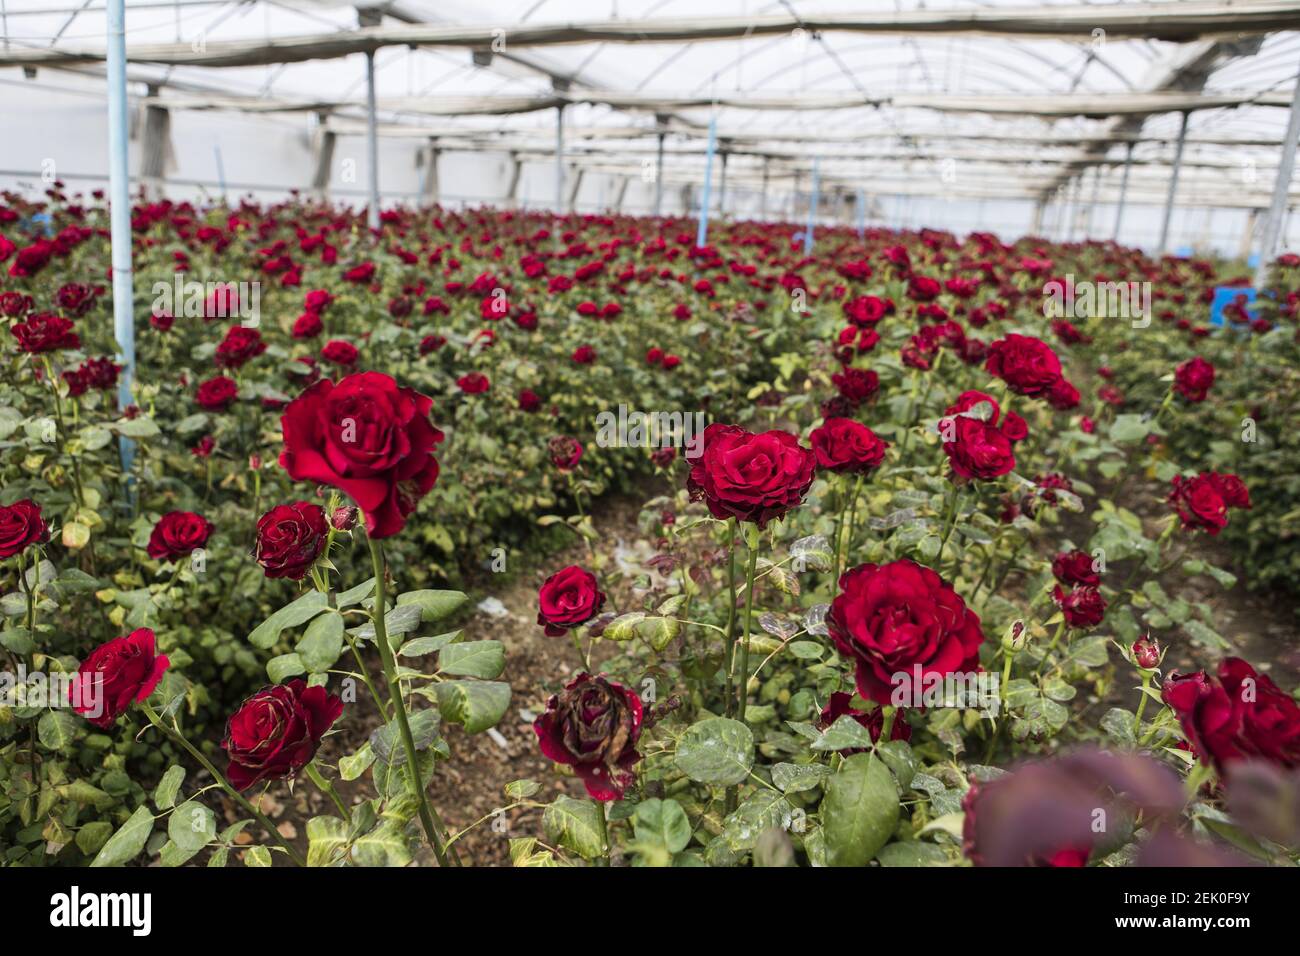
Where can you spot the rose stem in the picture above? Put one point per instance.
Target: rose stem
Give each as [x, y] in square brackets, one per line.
[853, 526]
[752, 544]
[327, 788]
[729, 637]
[431, 829]
[225, 784]
[603, 859]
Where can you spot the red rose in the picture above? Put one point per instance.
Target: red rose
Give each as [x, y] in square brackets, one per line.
[1193, 379]
[475, 383]
[856, 384]
[751, 477]
[124, 670]
[21, 526]
[176, 534]
[565, 452]
[1028, 365]
[1062, 395]
[217, 394]
[1074, 568]
[431, 343]
[865, 310]
[844, 445]
[339, 352]
[316, 300]
[290, 538]
[1203, 502]
[671, 362]
[370, 439]
[923, 288]
[873, 720]
[896, 618]
[584, 355]
[529, 401]
[1083, 606]
[307, 326]
[45, 333]
[240, 344]
[1238, 715]
[654, 356]
[568, 598]
[978, 449]
[1146, 651]
[593, 726]
[275, 733]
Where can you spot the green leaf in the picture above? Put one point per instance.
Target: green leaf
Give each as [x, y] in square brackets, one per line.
[574, 825]
[286, 665]
[485, 659]
[421, 646]
[898, 757]
[522, 789]
[386, 740]
[321, 646]
[128, 841]
[291, 615]
[798, 777]
[434, 605]
[257, 856]
[355, 595]
[623, 627]
[912, 853]
[475, 705]
[662, 822]
[92, 836]
[845, 734]
[1129, 428]
[354, 765]
[57, 729]
[859, 812]
[164, 795]
[658, 632]
[137, 427]
[326, 838]
[717, 751]
[191, 826]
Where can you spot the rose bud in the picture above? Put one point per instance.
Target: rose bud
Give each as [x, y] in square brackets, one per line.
[21, 526]
[275, 733]
[254, 462]
[176, 534]
[568, 598]
[344, 519]
[1146, 651]
[123, 671]
[290, 538]
[593, 726]
[1083, 607]
[873, 720]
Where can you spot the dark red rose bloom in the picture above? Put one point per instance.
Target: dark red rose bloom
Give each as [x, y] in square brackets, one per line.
[32, 259]
[978, 449]
[844, 445]
[529, 401]
[203, 447]
[1193, 379]
[663, 457]
[45, 333]
[15, 304]
[1069, 856]
[584, 355]
[1074, 568]
[75, 298]
[307, 326]
[923, 288]
[344, 518]
[873, 720]
[671, 362]
[900, 620]
[1146, 651]
[275, 733]
[316, 300]
[290, 538]
[217, 394]
[21, 526]
[240, 344]
[116, 674]
[1062, 395]
[474, 383]
[1203, 502]
[865, 310]
[751, 477]
[565, 452]
[593, 725]
[431, 343]
[339, 352]
[162, 321]
[1235, 716]
[1028, 365]
[1083, 606]
[370, 439]
[568, 598]
[176, 534]
[856, 384]
[99, 373]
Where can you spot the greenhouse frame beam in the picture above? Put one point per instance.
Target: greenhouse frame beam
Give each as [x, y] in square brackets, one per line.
[1173, 185]
[119, 171]
[1177, 22]
[1277, 210]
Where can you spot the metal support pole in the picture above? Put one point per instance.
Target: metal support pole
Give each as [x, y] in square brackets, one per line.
[119, 176]
[702, 233]
[559, 160]
[1277, 210]
[1068, 207]
[1173, 186]
[812, 207]
[1123, 190]
[372, 143]
[1040, 208]
[659, 175]
[1092, 202]
[762, 198]
[722, 188]
[862, 214]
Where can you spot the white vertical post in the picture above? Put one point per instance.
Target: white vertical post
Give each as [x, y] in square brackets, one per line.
[119, 177]
[702, 233]
[1277, 210]
[812, 207]
[559, 159]
[1123, 191]
[659, 175]
[372, 142]
[1173, 186]
[862, 214]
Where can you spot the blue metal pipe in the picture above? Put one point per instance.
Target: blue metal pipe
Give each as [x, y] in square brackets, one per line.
[812, 208]
[119, 192]
[702, 234]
